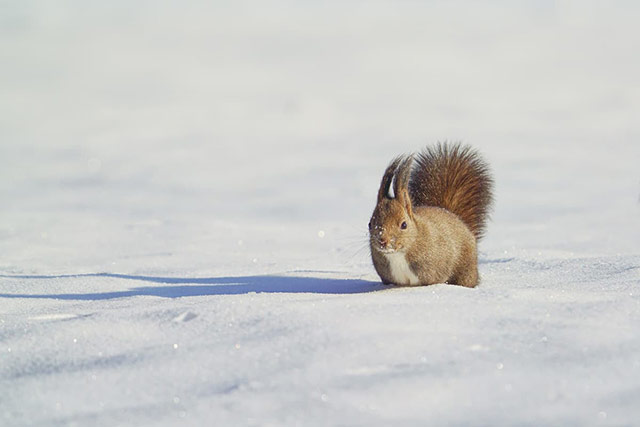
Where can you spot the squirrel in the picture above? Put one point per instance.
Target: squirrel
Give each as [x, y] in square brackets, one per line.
[427, 232]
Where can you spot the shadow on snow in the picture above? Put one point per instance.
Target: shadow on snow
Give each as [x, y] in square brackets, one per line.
[177, 287]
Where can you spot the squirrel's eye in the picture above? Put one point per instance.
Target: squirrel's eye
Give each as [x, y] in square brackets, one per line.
[403, 225]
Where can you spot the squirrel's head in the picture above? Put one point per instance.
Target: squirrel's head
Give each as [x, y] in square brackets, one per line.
[392, 226]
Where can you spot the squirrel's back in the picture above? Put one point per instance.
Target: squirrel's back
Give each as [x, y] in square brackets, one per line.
[456, 178]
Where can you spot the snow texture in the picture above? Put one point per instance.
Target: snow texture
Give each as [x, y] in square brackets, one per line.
[185, 188]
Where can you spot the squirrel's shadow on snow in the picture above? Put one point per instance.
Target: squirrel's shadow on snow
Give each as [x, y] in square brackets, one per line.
[177, 287]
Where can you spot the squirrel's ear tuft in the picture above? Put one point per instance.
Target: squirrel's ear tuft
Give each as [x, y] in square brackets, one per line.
[403, 174]
[387, 178]
[401, 184]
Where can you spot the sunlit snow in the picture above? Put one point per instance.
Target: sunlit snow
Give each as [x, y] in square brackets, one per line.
[185, 190]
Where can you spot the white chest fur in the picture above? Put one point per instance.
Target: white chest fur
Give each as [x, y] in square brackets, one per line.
[400, 270]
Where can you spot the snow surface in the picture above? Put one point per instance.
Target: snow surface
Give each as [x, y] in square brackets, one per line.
[185, 188]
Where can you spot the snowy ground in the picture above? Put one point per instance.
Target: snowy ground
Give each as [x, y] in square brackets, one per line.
[184, 193]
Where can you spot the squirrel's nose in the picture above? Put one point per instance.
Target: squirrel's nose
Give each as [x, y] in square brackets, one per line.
[383, 242]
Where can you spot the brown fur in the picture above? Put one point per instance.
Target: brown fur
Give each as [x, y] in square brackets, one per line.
[454, 177]
[443, 204]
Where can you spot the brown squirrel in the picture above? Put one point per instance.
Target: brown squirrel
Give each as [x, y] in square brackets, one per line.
[428, 231]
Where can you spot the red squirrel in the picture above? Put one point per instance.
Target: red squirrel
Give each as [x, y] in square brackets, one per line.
[428, 231]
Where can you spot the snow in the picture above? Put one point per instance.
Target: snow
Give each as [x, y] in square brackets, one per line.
[184, 198]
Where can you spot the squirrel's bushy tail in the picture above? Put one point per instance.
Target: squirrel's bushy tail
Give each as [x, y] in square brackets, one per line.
[456, 178]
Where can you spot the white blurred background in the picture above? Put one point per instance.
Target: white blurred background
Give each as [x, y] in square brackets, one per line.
[118, 114]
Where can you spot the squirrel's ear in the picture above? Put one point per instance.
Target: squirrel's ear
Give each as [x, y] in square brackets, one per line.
[403, 197]
[403, 174]
[401, 184]
[387, 178]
